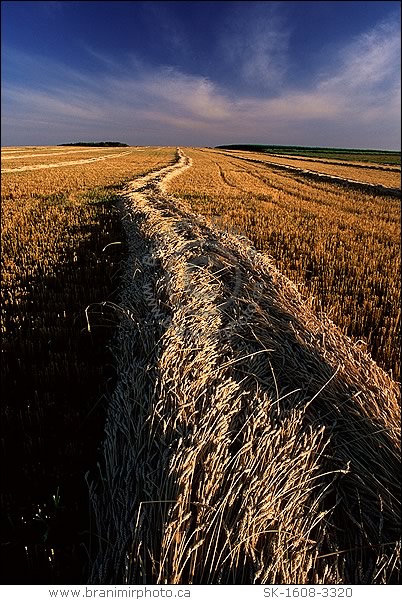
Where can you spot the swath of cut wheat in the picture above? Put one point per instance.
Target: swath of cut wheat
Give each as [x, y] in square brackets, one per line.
[247, 439]
[238, 450]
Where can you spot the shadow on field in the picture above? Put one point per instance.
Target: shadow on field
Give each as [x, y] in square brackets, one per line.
[54, 374]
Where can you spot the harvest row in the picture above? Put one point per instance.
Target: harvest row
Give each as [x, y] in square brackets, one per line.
[388, 176]
[342, 246]
[65, 179]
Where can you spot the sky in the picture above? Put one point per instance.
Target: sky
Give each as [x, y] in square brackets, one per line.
[202, 73]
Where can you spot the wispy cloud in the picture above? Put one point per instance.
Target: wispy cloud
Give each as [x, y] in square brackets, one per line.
[193, 96]
[357, 104]
[366, 88]
[257, 47]
[373, 58]
[52, 104]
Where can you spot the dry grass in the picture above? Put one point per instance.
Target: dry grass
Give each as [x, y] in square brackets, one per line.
[341, 246]
[42, 213]
[52, 374]
[23, 154]
[247, 441]
[81, 177]
[388, 176]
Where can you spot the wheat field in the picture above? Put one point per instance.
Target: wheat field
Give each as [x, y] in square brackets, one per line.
[341, 245]
[248, 431]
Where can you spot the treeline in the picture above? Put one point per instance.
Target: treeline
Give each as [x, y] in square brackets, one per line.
[101, 144]
[283, 149]
[250, 147]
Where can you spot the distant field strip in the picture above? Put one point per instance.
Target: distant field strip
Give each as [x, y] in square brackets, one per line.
[56, 151]
[64, 158]
[65, 180]
[9, 156]
[31, 167]
[328, 161]
[383, 178]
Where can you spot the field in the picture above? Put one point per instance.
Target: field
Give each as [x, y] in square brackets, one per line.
[369, 173]
[341, 245]
[56, 222]
[200, 365]
[385, 157]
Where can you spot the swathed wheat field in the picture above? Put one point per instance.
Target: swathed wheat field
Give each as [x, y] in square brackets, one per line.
[248, 429]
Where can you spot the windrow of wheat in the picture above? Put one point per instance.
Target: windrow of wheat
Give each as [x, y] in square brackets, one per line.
[17, 163]
[341, 246]
[371, 173]
[247, 441]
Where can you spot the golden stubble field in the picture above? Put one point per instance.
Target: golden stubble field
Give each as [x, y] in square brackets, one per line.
[373, 173]
[229, 449]
[341, 245]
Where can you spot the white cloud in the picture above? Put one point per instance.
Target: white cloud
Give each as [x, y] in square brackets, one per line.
[357, 104]
[31, 103]
[369, 75]
[195, 96]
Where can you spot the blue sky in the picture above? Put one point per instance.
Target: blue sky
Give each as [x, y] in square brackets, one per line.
[202, 73]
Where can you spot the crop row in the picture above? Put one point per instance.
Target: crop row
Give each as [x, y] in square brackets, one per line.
[388, 176]
[341, 246]
[64, 179]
